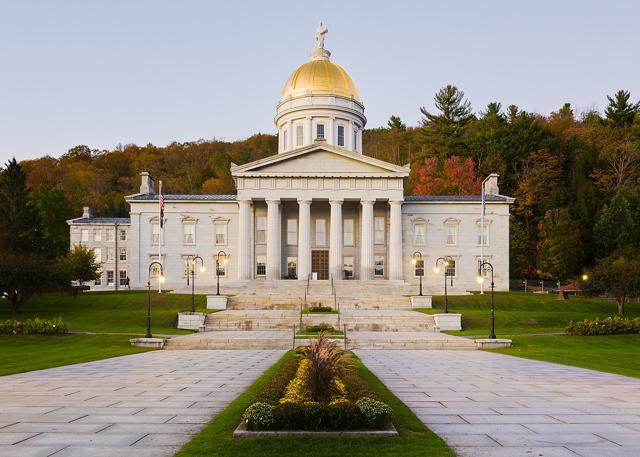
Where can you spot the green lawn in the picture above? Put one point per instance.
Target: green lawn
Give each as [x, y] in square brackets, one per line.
[109, 312]
[216, 439]
[101, 312]
[614, 353]
[520, 313]
[25, 353]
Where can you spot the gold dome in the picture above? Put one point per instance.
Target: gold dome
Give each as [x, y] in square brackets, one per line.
[320, 77]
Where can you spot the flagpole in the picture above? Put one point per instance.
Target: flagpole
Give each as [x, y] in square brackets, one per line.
[161, 231]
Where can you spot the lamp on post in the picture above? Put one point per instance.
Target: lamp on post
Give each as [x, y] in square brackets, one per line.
[225, 259]
[446, 262]
[161, 279]
[484, 266]
[191, 270]
[415, 258]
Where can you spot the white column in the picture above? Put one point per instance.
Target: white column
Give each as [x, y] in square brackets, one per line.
[359, 141]
[366, 240]
[335, 240]
[273, 239]
[290, 136]
[331, 133]
[309, 130]
[395, 241]
[349, 133]
[304, 239]
[244, 240]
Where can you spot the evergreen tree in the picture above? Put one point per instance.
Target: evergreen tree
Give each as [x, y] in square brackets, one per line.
[617, 230]
[561, 253]
[395, 123]
[620, 112]
[53, 211]
[443, 132]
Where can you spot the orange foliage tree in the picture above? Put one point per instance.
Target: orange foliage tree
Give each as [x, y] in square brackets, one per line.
[452, 176]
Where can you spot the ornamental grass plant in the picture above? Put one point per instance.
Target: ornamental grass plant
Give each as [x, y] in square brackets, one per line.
[325, 358]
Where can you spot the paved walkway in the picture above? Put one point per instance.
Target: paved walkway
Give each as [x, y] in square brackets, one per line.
[143, 405]
[492, 405]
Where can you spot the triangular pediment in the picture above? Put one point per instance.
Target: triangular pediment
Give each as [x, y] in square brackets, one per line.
[319, 160]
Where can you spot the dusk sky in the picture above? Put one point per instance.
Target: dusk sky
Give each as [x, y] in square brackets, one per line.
[102, 73]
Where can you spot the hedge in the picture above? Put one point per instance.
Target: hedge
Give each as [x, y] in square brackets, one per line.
[33, 327]
[607, 326]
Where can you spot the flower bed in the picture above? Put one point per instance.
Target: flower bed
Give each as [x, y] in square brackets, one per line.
[607, 326]
[317, 390]
[320, 309]
[33, 327]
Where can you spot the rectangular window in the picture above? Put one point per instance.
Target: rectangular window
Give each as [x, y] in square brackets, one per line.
[123, 278]
[155, 234]
[97, 235]
[110, 278]
[452, 233]
[348, 267]
[261, 229]
[355, 140]
[123, 235]
[451, 268]
[320, 131]
[261, 265]
[340, 135]
[378, 265]
[299, 135]
[321, 232]
[378, 234]
[418, 269]
[84, 235]
[292, 232]
[419, 234]
[347, 230]
[284, 139]
[123, 254]
[188, 233]
[110, 254]
[292, 267]
[98, 282]
[186, 267]
[110, 235]
[221, 268]
[97, 252]
[483, 234]
[221, 233]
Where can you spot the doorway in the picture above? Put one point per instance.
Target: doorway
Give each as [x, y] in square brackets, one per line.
[320, 263]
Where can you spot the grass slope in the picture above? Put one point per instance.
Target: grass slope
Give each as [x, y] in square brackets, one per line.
[216, 439]
[107, 312]
[30, 352]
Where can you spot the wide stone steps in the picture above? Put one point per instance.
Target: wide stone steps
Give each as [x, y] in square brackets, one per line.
[294, 303]
[355, 320]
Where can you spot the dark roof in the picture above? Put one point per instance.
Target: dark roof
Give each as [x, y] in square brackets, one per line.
[170, 197]
[454, 198]
[101, 220]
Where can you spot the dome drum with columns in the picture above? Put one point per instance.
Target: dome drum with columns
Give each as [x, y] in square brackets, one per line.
[320, 101]
[320, 208]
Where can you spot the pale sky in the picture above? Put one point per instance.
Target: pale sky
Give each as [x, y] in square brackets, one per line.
[106, 72]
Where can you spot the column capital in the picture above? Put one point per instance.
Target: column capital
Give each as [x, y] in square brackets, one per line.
[304, 201]
[272, 201]
[336, 201]
[396, 202]
[367, 201]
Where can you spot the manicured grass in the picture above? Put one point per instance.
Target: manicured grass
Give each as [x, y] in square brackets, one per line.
[216, 439]
[25, 353]
[109, 312]
[614, 353]
[520, 313]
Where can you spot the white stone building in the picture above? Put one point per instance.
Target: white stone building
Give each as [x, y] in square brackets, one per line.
[317, 209]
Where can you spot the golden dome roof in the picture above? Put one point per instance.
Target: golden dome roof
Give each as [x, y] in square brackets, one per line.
[321, 77]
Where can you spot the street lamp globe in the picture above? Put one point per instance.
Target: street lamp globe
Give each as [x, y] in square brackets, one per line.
[202, 269]
[480, 279]
[585, 277]
[436, 270]
[161, 279]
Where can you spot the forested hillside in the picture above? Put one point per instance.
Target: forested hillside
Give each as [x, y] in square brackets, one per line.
[574, 176]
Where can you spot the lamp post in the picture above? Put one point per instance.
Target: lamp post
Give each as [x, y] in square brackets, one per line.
[483, 267]
[225, 258]
[446, 262]
[191, 270]
[415, 258]
[160, 280]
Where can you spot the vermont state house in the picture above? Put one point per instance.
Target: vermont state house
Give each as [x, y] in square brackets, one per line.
[319, 209]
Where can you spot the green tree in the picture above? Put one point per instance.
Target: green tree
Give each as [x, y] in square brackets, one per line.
[395, 123]
[617, 229]
[79, 265]
[620, 112]
[561, 253]
[53, 210]
[618, 277]
[442, 132]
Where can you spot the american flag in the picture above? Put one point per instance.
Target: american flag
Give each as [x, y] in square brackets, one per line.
[161, 210]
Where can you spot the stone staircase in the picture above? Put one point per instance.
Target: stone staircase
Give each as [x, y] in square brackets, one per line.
[262, 314]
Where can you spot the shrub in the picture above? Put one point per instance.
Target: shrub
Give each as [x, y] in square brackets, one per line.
[319, 328]
[33, 327]
[273, 389]
[376, 413]
[320, 309]
[259, 416]
[607, 326]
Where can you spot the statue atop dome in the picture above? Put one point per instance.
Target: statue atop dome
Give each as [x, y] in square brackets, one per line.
[321, 31]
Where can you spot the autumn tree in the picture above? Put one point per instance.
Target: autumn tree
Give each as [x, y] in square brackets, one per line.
[452, 176]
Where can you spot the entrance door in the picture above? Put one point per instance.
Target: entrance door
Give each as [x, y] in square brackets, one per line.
[320, 263]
